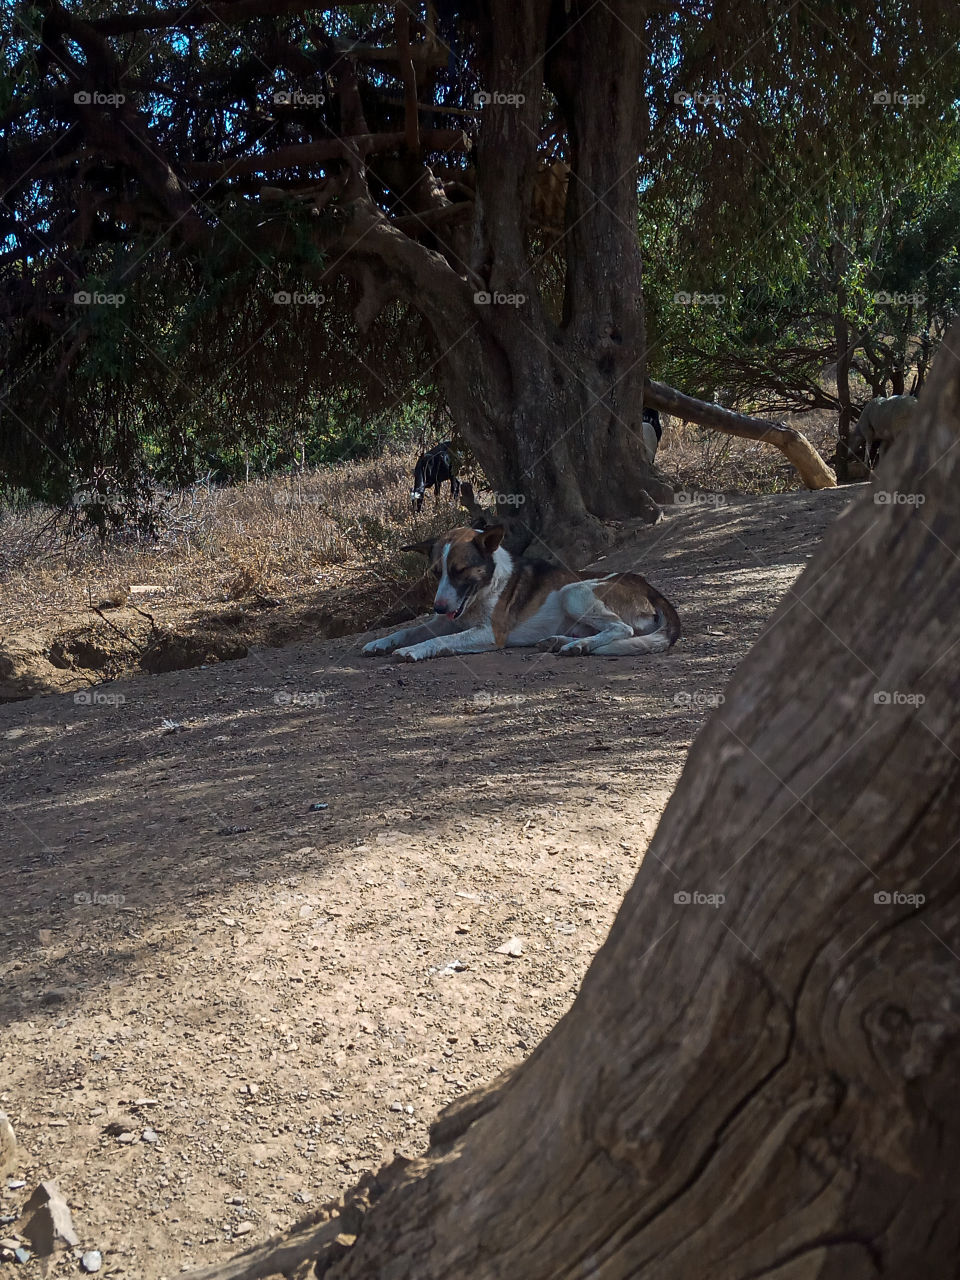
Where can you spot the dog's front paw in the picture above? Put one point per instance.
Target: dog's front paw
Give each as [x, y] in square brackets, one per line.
[575, 647]
[383, 645]
[407, 655]
[552, 644]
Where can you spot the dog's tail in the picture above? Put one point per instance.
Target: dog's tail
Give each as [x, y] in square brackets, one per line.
[652, 642]
[665, 632]
[668, 620]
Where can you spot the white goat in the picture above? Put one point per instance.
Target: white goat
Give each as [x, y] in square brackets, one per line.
[881, 421]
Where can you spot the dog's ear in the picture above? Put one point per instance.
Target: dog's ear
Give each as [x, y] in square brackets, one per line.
[425, 548]
[490, 539]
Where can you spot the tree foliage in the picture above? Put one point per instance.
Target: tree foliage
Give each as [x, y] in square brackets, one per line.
[197, 161]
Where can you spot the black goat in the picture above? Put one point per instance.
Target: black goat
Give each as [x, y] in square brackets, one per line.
[433, 468]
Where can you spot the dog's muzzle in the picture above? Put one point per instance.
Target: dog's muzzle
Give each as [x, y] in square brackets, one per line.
[445, 611]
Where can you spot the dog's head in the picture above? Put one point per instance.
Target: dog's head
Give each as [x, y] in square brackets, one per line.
[463, 560]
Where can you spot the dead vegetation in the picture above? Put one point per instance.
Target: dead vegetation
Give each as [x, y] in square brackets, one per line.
[316, 554]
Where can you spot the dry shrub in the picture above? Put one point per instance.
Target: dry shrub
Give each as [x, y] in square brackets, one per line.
[284, 536]
[699, 458]
[295, 536]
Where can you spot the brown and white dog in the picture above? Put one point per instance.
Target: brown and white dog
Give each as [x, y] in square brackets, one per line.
[487, 599]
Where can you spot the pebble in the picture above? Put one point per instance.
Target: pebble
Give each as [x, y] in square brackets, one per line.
[396, 1106]
[149, 1135]
[315, 808]
[92, 1260]
[512, 947]
[243, 1228]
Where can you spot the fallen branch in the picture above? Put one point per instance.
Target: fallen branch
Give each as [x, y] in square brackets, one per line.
[810, 467]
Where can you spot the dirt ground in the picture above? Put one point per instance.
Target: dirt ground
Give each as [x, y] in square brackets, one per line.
[253, 914]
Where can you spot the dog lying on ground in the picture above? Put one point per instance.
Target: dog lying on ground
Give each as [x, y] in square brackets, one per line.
[432, 469]
[486, 599]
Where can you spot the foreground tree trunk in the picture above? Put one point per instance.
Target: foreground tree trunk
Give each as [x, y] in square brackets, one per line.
[758, 1076]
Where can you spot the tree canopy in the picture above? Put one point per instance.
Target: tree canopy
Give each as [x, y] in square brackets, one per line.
[223, 223]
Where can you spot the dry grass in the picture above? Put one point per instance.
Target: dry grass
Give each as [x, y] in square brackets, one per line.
[696, 458]
[303, 536]
[285, 536]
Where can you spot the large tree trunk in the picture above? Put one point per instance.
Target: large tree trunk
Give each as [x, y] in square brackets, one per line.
[765, 1085]
[549, 402]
